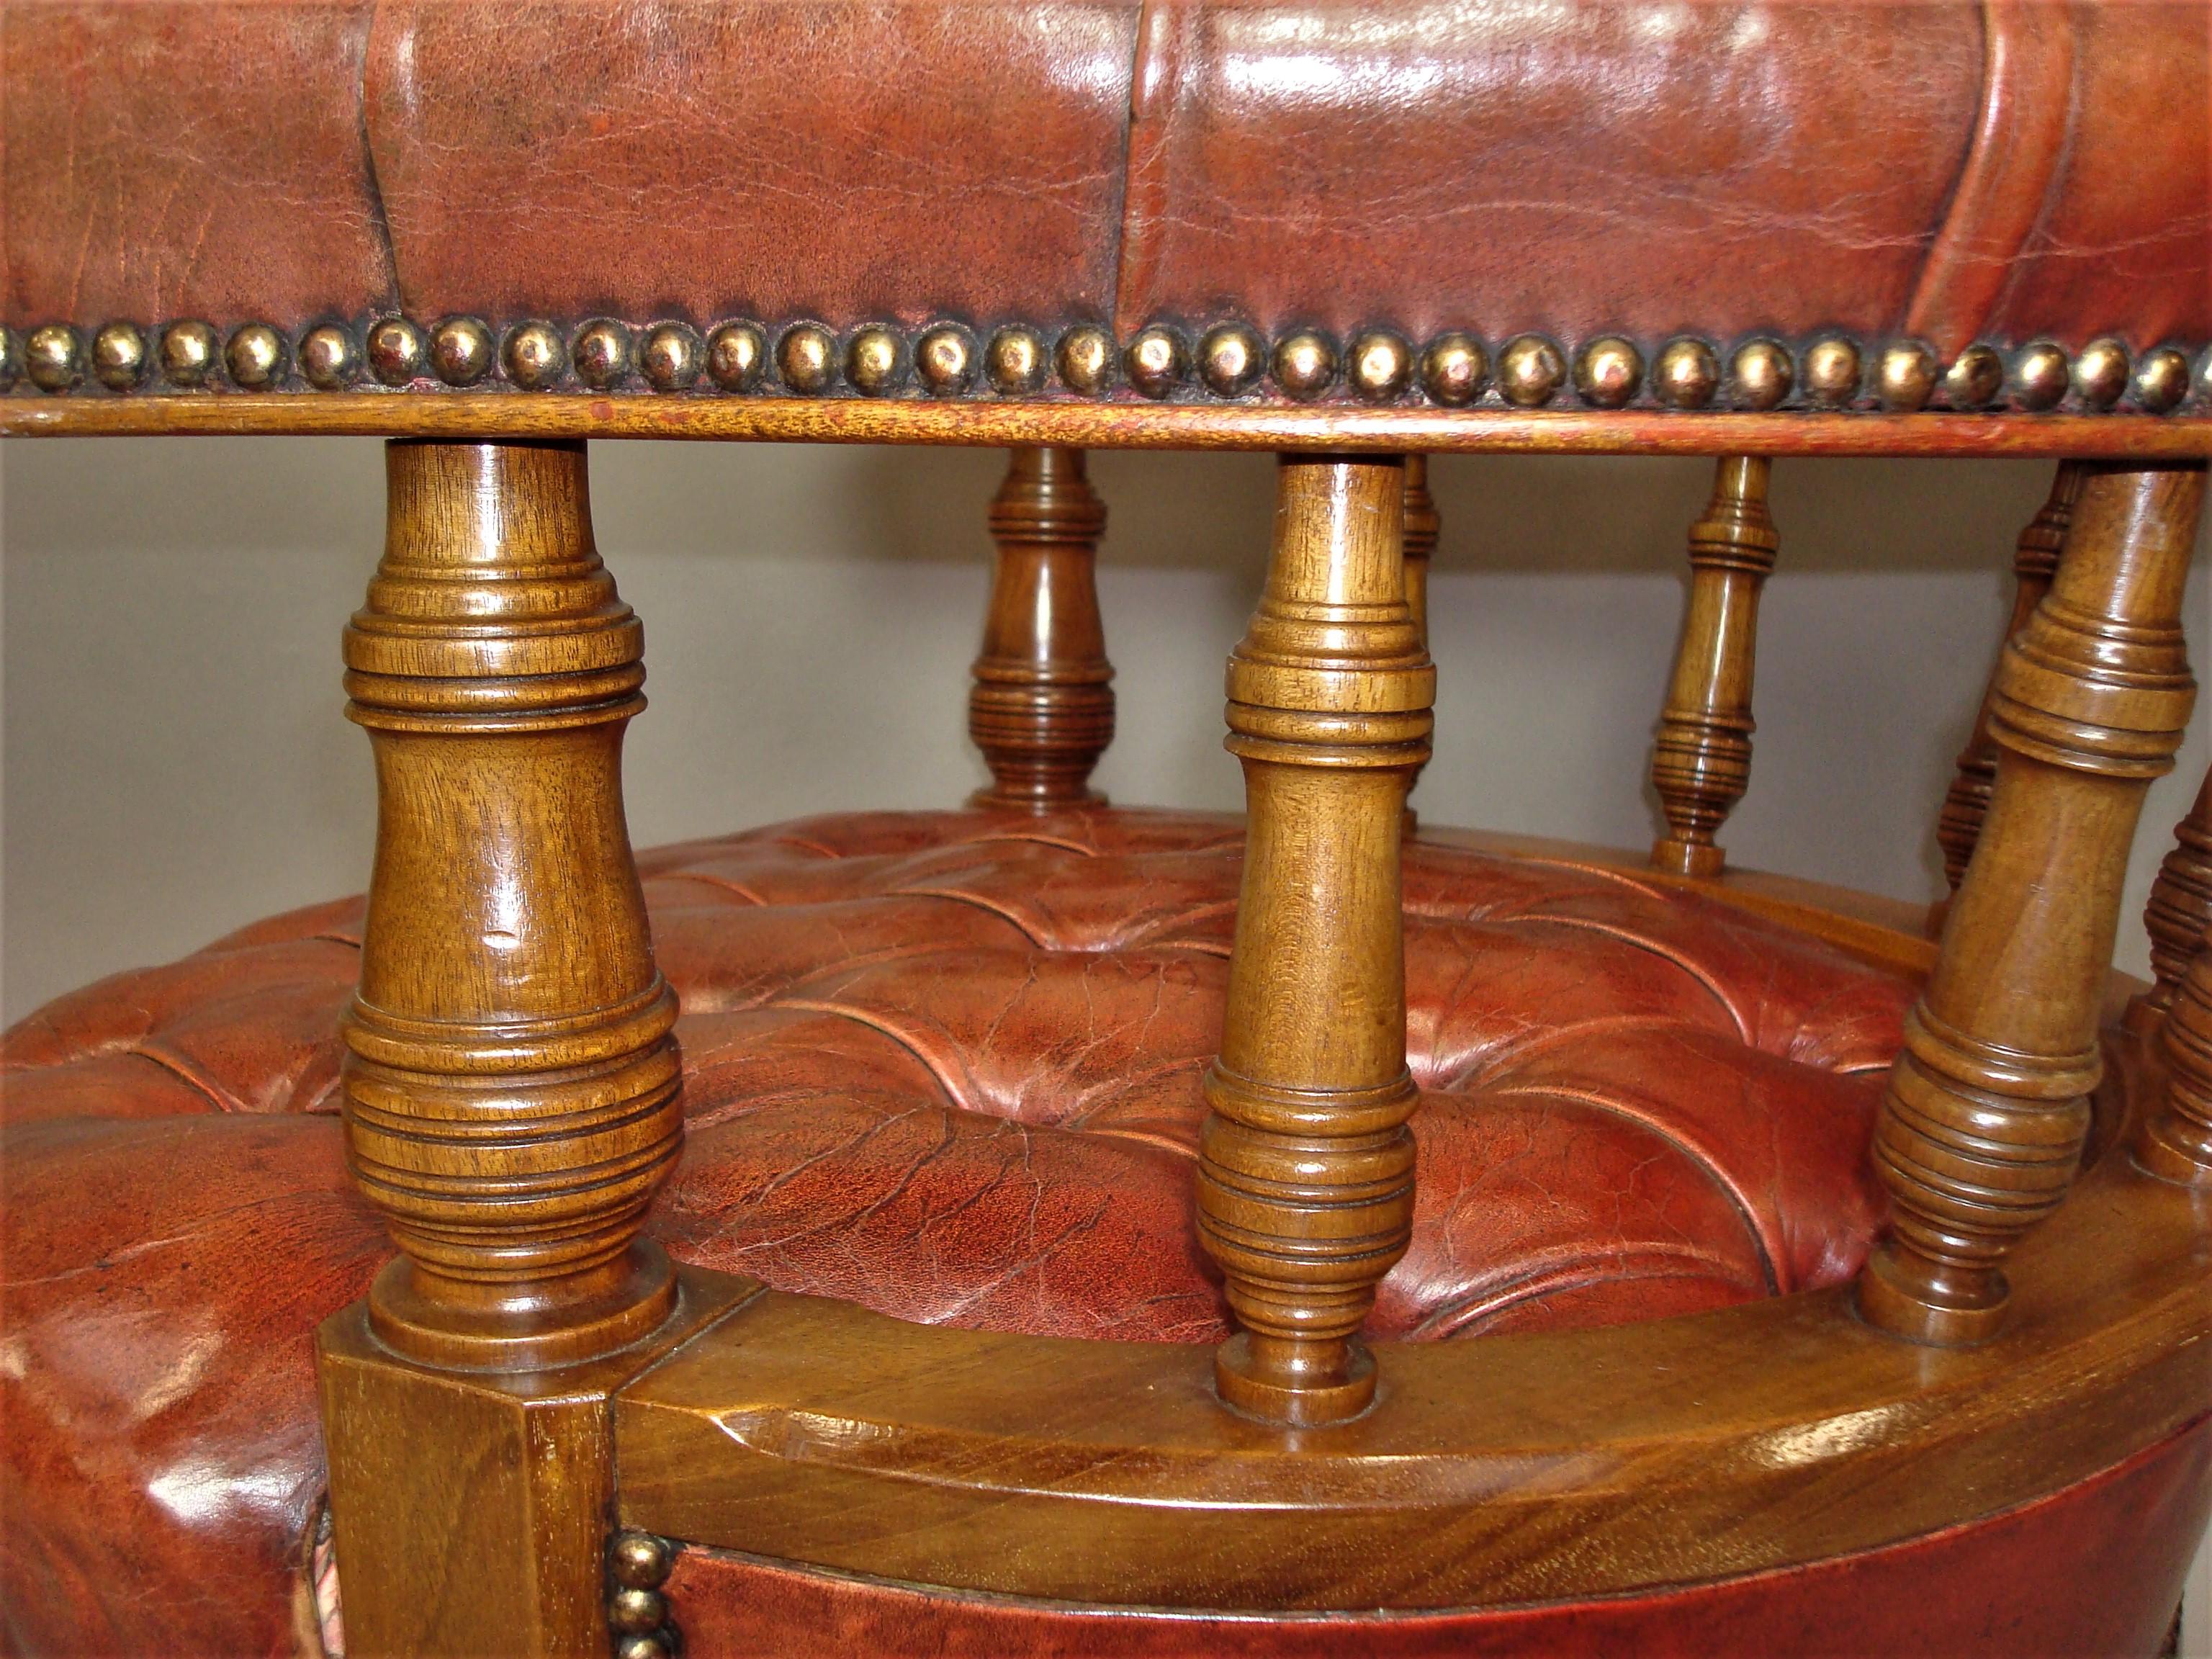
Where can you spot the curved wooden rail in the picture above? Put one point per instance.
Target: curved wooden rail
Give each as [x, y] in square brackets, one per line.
[1687, 1448]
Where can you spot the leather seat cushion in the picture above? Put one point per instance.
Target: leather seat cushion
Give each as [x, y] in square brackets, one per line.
[946, 1065]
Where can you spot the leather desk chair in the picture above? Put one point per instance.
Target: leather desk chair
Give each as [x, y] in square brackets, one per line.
[1046, 1227]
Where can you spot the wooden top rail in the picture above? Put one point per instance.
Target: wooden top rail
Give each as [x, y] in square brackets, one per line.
[1110, 425]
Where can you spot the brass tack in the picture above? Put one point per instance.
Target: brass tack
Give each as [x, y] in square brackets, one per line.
[1155, 361]
[1760, 374]
[1530, 371]
[944, 361]
[1686, 375]
[1608, 372]
[1974, 380]
[806, 358]
[255, 357]
[2204, 377]
[2101, 373]
[1015, 360]
[119, 356]
[1086, 359]
[1832, 371]
[669, 357]
[651, 1644]
[602, 353]
[637, 1611]
[2161, 380]
[1379, 365]
[872, 360]
[461, 350]
[734, 354]
[397, 350]
[534, 357]
[1230, 359]
[1454, 369]
[639, 1559]
[2039, 376]
[1906, 377]
[50, 358]
[1305, 364]
[188, 353]
[328, 358]
[7, 358]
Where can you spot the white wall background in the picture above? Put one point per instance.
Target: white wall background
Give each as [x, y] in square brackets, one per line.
[176, 764]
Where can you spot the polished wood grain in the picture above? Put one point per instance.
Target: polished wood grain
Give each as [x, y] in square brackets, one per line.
[1305, 1181]
[511, 1075]
[1986, 1109]
[1423, 525]
[1701, 762]
[1519, 1467]
[1132, 425]
[1042, 707]
[2035, 557]
[511, 1078]
[2176, 1143]
[2181, 907]
[471, 1508]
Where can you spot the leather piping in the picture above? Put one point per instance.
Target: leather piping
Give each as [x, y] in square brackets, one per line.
[2021, 135]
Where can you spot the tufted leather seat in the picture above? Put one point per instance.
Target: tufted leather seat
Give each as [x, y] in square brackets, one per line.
[946, 1065]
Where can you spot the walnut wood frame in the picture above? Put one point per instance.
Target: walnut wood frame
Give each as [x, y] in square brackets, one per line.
[1789, 1432]
[1132, 425]
[527, 1367]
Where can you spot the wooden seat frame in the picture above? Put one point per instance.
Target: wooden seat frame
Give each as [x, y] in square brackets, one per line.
[528, 1367]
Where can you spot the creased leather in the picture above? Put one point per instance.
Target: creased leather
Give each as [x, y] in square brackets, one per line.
[165, 159]
[1639, 166]
[849, 162]
[946, 1065]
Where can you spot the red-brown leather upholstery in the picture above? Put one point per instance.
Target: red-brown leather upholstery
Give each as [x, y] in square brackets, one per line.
[944, 1065]
[1950, 170]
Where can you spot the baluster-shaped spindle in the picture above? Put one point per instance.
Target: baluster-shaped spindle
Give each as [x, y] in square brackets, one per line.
[1701, 762]
[1306, 1168]
[2176, 1139]
[1041, 709]
[2180, 908]
[1987, 1108]
[511, 1080]
[2035, 555]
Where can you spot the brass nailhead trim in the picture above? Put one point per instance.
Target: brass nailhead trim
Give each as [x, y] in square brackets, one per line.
[638, 1617]
[1453, 369]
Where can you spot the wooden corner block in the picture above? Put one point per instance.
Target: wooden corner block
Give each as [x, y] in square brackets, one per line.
[472, 1509]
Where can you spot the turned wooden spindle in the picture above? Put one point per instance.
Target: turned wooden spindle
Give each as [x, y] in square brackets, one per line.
[2175, 1142]
[2181, 907]
[1701, 762]
[1041, 709]
[1306, 1168]
[1987, 1107]
[511, 1080]
[2035, 556]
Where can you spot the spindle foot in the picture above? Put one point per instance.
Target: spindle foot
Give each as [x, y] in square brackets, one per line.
[1298, 1385]
[1687, 858]
[1909, 1296]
